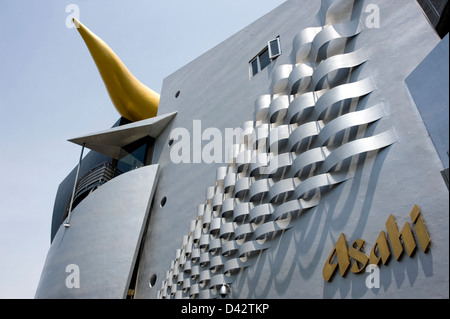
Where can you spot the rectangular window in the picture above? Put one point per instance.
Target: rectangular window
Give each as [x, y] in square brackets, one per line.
[445, 176]
[255, 67]
[274, 48]
[265, 57]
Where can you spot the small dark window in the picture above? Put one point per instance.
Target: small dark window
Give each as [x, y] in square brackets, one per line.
[274, 48]
[445, 176]
[135, 155]
[254, 64]
[264, 59]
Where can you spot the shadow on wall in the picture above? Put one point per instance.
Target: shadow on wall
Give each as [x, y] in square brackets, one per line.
[299, 252]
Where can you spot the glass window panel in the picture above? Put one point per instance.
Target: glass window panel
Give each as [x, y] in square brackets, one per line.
[275, 49]
[134, 155]
[254, 67]
[264, 59]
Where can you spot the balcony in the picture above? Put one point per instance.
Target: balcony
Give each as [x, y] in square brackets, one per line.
[89, 182]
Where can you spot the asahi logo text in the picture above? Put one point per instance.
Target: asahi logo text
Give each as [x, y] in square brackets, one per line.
[380, 252]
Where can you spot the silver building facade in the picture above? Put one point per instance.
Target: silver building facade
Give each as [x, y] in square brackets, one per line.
[304, 157]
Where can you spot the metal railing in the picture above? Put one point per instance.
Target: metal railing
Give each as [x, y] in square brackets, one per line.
[89, 182]
[96, 176]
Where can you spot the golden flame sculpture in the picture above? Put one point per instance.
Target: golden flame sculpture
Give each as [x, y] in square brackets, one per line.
[132, 99]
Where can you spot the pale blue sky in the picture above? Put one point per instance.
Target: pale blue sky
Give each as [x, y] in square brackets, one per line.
[50, 91]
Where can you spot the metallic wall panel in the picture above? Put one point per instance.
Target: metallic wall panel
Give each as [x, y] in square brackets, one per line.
[103, 239]
[363, 157]
[111, 141]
